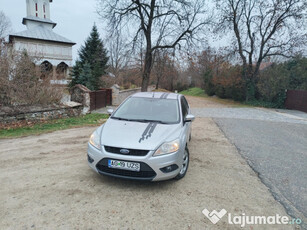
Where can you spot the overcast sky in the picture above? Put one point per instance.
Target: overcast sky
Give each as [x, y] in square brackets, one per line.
[74, 18]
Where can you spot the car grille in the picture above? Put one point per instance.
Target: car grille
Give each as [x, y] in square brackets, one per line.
[132, 152]
[145, 173]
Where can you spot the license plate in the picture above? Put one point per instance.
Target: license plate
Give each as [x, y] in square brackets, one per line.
[124, 165]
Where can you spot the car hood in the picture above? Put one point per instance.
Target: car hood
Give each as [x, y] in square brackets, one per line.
[138, 135]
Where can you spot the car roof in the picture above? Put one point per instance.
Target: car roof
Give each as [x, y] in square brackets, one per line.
[162, 95]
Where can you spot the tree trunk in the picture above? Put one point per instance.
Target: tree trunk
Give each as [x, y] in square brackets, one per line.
[250, 84]
[158, 81]
[147, 69]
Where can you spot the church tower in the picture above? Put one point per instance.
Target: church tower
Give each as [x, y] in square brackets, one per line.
[38, 8]
[39, 40]
[38, 13]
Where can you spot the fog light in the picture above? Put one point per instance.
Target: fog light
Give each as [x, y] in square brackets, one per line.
[169, 168]
[91, 160]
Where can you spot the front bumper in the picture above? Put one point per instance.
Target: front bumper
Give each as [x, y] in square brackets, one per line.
[150, 166]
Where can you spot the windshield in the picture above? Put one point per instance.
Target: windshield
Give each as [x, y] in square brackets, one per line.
[148, 110]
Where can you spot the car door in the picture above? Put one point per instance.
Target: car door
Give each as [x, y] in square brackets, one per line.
[185, 111]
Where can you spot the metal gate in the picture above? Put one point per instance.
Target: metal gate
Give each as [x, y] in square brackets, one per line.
[100, 98]
[296, 99]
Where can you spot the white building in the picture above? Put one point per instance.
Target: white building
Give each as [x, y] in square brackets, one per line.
[53, 52]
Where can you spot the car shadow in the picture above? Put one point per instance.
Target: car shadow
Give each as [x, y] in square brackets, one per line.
[120, 183]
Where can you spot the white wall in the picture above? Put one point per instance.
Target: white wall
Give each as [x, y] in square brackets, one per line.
[33, 24]
[55, 53]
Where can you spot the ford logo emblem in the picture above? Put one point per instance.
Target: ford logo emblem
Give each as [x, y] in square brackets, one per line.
[124, 151]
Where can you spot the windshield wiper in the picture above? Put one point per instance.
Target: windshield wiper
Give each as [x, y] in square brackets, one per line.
[140, 120]
[147, 120]
[121, 119]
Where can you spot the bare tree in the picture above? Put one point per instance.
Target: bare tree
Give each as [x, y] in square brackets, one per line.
[161, 59]
[5, 25]
[118, 53]
[263, 29]
[163, 24]
[20, 83]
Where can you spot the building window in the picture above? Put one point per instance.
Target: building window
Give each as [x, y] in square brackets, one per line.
[62, 71]
[44, 8]
[46, 70]
[36, 8]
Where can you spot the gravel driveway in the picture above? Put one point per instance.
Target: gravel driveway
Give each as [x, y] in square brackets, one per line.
[46, 184]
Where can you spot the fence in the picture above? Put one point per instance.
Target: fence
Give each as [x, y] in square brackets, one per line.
[91, 100]
[10, 115]
[120, 95]
[296, 99]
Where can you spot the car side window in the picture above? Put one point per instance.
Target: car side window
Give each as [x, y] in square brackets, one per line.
[184, 107]
[186, 102]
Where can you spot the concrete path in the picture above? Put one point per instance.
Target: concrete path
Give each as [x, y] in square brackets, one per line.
[259, 114]
[274, 143]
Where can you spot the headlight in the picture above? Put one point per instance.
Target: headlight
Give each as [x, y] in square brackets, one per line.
[168, 147]
[94, 140]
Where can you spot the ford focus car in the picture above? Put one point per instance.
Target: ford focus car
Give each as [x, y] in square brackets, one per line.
[145, 138]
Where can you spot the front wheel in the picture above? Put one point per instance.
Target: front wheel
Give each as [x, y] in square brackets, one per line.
[185, 164]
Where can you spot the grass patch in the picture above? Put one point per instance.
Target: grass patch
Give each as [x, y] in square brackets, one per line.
[229, 102]
[265, 104]
[194, 92]
[198, 92]
[53, 125]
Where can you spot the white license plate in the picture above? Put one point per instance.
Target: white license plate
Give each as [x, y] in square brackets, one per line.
[124, 165]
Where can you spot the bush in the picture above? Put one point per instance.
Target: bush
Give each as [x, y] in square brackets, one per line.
[229, 83]
[272, 82]
[20, 84]
[297, 69]
[220, 91]
[238, 93]
[275, 80]
[180, 86]
[279, 99]
[208, 84]
[269, 88]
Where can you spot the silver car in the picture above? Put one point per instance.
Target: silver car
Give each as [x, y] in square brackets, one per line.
[145, 138]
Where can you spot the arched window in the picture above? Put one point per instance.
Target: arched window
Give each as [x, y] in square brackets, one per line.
[62, 70]
[46, 70]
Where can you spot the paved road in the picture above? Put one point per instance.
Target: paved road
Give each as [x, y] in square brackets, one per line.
[275, 145]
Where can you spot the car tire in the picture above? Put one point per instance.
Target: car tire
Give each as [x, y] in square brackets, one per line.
[184, 167]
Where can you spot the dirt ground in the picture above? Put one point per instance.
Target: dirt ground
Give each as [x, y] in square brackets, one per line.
[200, 102]
[45, 183]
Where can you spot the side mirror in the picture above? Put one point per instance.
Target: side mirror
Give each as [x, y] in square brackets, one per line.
[110, 111]
[189, 118]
